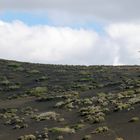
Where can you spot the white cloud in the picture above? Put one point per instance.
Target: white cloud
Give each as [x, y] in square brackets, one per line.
[64, 45]
[126, 37]
[44, 43]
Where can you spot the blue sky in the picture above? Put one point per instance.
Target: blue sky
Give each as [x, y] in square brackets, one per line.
[33, 19]
[26, 17]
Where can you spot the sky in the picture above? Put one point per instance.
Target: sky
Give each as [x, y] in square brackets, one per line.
[75, 32]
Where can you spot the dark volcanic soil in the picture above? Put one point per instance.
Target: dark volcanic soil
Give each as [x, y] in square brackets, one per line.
[74, 102]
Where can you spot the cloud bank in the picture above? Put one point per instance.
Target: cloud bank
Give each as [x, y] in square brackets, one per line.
[108, 10]
[63, 45]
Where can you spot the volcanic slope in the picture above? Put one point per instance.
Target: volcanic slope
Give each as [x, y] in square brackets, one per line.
[55, 102]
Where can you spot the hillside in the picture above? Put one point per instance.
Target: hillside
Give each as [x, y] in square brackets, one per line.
[55, 102]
